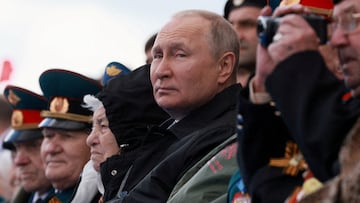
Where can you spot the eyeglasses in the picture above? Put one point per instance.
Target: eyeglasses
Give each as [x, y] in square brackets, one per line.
[347, 22]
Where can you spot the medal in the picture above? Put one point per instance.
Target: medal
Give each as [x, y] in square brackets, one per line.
[241, 197]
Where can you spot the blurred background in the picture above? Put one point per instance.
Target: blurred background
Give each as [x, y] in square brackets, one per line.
[80, 35]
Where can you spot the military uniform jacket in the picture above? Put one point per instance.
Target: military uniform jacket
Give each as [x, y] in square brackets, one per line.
[27, 197]
[310, 100]
[21, 196]
[264, 136]
[198, 133]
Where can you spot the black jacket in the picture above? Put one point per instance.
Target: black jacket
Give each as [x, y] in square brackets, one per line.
[197, 134]
[264, 137]
[141, 160]
[310, 100]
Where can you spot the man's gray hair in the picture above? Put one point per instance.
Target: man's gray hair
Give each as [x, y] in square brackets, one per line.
[222, 36]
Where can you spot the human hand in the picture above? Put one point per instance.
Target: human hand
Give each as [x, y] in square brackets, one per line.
[294, 35]
[264, 63]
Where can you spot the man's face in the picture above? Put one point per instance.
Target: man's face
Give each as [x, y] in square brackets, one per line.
[64, 154]
[345, 37]
[244, 21]
[330, 55]
[184, 72]
[29, 166]
[101, 140]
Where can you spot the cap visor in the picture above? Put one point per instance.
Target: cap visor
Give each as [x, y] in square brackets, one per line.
[63, 124]
[20, 135]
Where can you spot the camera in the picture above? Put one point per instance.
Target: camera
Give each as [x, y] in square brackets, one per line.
[267, 27]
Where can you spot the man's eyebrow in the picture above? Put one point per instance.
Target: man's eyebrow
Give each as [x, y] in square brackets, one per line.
[244, 20]
[99, 120]
[349, 8]
[155, 49]
[172, 46]
[176, 45]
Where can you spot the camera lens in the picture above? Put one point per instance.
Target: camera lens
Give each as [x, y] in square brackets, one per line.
[263, 30]
[266, 29]
[261, 24]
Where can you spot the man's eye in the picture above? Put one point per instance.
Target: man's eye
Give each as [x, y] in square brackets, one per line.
[181, 55]
[156, 56]
[247, 24]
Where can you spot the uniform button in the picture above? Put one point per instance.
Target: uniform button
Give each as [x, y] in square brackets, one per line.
[272, 103]
[113, 172]
[277, 113]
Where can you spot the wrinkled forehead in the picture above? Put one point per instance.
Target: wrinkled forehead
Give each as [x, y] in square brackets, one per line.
[63, 132]
[99, 116]
[346, 6]
[183, 25]
[32, 142]
[100, 112]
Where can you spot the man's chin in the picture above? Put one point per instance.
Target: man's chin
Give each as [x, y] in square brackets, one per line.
[55, 174]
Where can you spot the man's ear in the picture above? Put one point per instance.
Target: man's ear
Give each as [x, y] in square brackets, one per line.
[226, 66]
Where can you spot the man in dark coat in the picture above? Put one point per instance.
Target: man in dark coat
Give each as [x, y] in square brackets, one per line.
[194, 80]
[315, 111]
[314, 104]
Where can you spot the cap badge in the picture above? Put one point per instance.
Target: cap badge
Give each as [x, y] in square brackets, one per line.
[112, 70]
[17, 118]
[59, 105]
[237, 2]
[13, 98]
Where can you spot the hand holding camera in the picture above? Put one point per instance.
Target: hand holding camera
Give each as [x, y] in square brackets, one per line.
[268, 26]
[290, 28]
